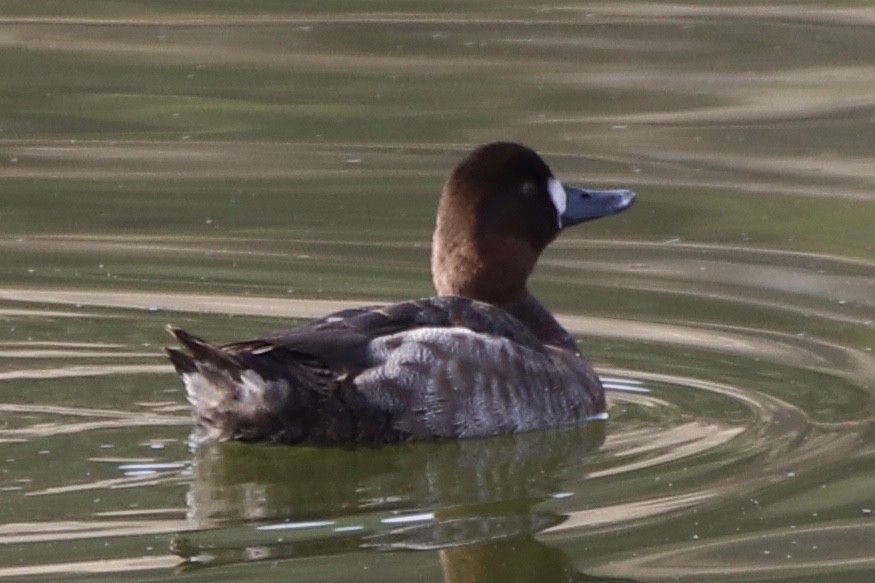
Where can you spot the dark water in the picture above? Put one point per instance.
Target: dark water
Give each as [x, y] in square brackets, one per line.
[234, 167]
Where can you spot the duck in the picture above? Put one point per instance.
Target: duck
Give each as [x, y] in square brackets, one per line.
[482, 357]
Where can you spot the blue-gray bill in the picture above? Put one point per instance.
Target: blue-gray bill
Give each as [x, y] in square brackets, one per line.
[585, 205]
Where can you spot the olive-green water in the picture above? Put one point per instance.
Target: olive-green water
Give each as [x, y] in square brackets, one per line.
[237, 167]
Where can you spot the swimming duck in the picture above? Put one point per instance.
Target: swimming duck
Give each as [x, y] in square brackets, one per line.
[483, 357]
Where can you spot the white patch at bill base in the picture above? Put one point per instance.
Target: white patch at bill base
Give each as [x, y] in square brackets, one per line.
[559, 198]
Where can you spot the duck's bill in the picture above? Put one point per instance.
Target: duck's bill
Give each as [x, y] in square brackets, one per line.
[585, 205]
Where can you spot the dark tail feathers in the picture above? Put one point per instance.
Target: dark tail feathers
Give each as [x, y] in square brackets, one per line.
[200, 350]
[238, 397]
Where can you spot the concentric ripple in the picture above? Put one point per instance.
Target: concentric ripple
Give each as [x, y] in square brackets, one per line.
[675, 444]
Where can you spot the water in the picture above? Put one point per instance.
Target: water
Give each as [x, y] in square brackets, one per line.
[238, 167]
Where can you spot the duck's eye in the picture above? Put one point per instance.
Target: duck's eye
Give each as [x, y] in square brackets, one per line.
[529, 189]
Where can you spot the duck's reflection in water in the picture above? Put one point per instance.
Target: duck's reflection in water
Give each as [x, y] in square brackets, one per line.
[472, 501]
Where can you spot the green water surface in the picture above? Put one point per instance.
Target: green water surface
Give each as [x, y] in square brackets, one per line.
[237, 167]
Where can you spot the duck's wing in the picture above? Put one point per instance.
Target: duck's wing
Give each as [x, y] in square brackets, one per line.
[341, 340]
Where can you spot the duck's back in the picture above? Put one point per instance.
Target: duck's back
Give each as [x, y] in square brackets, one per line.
[436, 367]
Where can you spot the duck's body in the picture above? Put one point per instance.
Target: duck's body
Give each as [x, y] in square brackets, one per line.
[482, 358]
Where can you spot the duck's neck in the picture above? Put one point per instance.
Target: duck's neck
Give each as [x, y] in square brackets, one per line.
[467, 261]
[488, 271]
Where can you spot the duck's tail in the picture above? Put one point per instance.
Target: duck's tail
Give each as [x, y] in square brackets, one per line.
[244, 394]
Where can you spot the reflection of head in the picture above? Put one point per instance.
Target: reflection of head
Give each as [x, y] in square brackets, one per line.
[516, 560]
